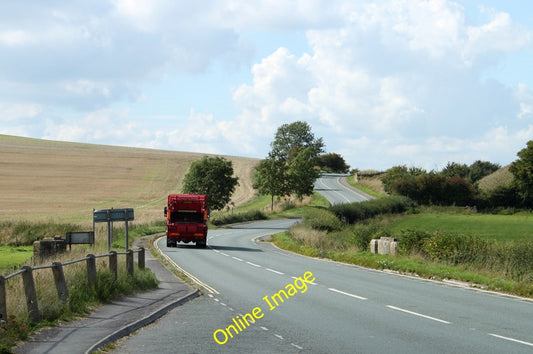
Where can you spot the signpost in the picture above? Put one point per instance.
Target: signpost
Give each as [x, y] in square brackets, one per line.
[111, 215]
[79, 237]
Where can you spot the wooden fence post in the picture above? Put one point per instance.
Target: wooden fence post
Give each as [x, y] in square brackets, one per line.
[113, 267]
[91, 270]
[61, 284]
[31, 295]
[129, 261]
[140, 258]
[3, 304]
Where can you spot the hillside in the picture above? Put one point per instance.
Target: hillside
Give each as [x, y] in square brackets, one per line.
[499, 178]
[43, 180]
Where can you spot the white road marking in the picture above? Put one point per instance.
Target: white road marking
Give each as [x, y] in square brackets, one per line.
[274, 271]
[309, 283]
[264, 328]
[347, 294]
[417, 314]
[296, 346]
[279, 336]
[511, 339]
[253, 264]
[237, 259]
[224, 254]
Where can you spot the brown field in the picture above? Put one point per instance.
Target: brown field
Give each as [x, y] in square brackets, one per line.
[501, 177]
[48, 180]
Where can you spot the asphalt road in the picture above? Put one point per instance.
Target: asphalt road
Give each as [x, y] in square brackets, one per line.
[337, 191]
[346, 309]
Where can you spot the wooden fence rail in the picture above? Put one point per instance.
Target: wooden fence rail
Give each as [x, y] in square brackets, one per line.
[59, 278]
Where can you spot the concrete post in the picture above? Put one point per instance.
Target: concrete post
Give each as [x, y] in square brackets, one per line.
[113, 266]
[31, 295]
[140, 259]
[91, 270]
[129, 261]
[374, 246]
[3, 303]
[61, 284]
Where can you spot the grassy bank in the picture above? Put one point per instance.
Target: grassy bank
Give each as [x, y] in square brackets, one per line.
[81, 296]
[490, 251]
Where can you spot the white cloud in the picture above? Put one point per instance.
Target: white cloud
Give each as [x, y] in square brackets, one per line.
[386, 82]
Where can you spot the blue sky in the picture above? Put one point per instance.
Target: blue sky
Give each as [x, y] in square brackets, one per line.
[384, 83]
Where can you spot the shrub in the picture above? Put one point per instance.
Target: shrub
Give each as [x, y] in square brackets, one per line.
[320, 219]
[240, 217]
[354, 212]
[363, 234]
[411, 241]
[455, 248]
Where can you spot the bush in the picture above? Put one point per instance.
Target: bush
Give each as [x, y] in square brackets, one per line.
[363, 234]
[411, 241]
[354, 212]
[456, 249]
[320, 219]
[240, 217]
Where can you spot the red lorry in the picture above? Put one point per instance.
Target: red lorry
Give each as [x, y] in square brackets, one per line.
[186, 219]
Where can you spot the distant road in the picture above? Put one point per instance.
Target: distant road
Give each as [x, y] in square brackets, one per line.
[335, 188]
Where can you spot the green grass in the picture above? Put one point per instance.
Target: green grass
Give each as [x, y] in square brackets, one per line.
[500, 228]
[14, 256]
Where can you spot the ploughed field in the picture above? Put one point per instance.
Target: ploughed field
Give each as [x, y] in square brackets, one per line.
[44, 180]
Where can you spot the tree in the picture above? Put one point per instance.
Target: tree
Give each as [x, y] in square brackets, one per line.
[291, 138]
[212, 176]
[333, 163]
[270, 178]
[302, 173]
[480, 169]
[522, 169]
[454, 169]
[291, 162]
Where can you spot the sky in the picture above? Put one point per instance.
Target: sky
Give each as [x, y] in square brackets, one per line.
[384, 83]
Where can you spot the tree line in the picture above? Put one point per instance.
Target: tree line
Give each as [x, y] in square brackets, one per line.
[458, 184]
[297, 158]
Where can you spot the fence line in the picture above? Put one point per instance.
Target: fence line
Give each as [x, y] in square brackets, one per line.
[59, 279]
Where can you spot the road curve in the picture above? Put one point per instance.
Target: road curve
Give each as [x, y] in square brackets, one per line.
[346, 309]
[335, 188]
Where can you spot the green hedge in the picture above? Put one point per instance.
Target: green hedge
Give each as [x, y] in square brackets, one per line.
[354, 212]
[240, 217]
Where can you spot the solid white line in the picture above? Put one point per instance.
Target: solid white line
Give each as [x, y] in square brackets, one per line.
[274, 271]
[253, 264]
[511, 339]
[417, 314]
[348, 294]
[189, 275]
[238, 259]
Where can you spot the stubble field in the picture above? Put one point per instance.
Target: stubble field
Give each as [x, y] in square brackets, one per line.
[62, 182]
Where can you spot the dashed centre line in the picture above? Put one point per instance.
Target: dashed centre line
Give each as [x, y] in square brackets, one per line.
[253, 264]
[511, 339]
[418, 314]
[274, 271]
[348, 294]
[237, 259]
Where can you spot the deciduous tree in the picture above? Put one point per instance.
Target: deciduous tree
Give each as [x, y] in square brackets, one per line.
[212, 176]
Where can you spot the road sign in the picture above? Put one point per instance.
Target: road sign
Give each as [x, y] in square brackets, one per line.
[105, 215]
[80, 238]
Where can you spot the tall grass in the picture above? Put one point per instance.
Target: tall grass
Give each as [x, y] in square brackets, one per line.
[81, 295]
